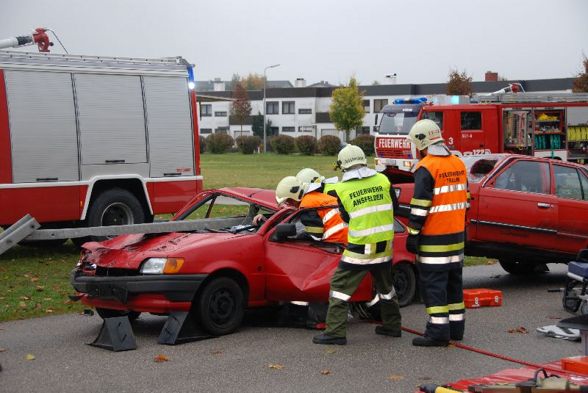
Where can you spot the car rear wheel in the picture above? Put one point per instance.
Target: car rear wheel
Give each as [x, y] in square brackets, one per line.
[404, 283]
[108, 313]
[519, 268]
[221, 306]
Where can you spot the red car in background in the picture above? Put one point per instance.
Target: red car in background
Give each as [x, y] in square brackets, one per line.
[219, 271]
[525, 211]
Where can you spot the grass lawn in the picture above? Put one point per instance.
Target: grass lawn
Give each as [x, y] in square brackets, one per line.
[35, 281]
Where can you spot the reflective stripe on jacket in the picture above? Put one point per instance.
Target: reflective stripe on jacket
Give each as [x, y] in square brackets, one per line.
[333, 229]
[438, 209]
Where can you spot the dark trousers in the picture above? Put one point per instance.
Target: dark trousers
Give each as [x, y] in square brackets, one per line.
[442, 293]
[343, 285]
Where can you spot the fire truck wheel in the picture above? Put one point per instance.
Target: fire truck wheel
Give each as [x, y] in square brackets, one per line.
[108, 313]
[220, 306]
[404, 283]
[115, 207]
[516, 267]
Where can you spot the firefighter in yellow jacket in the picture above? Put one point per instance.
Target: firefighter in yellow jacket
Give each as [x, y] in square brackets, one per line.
[366, 202]
[436, 230]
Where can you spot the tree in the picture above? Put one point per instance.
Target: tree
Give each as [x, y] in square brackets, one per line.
[346, 110]
[581, 82]
[253, 82]
[257, 124]
[459, 84]
[240, 107]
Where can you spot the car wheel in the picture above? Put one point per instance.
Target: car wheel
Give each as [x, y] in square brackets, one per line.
[108, 313]
[221, 306]
[518, 268]
[114, 207]
[404, 282]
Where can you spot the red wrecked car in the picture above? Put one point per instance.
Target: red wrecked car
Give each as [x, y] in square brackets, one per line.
[226, 266]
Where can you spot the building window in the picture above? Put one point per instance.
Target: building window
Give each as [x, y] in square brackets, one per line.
[274, 130]
[272, 108]
[306, 129]
[206, 130]
[205, 110]
[220, 114]
[221, 130]
[366, 106]
[288, 108]
[288, 129]
[304, 111]
[471, 121]
[364, 130]
[379, 105]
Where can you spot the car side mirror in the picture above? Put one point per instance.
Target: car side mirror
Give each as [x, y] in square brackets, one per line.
[283, 231]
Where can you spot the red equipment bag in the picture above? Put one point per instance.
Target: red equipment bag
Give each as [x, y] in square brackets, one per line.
[481, 297]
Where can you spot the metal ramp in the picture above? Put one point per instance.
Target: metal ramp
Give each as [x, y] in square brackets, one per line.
[17, 232]
[28, 228]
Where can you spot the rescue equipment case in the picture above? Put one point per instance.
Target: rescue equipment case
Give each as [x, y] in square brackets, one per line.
[482, 297]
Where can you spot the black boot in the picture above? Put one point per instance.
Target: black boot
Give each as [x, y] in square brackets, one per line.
[326, 339]
[428, 342]
[385, 332]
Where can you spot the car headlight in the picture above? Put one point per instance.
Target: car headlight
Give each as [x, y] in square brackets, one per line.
[162, 265]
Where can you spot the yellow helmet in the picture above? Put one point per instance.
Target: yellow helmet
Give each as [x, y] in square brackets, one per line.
[309, 175]
[425, 133]
[289, 188]
[349, 156]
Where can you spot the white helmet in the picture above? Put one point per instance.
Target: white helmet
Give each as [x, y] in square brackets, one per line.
[289, 188]
[349, 156]
[309, 175]
[425, 133]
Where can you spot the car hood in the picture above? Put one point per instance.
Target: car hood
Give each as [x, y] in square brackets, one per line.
[129, 251]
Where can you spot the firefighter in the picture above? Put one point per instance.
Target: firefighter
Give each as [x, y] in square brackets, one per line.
[436, 230]
[366, 203]
[324, 223]
[309, 175]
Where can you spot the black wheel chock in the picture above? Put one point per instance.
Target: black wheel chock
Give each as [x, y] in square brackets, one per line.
[180, 328]
[116, 334]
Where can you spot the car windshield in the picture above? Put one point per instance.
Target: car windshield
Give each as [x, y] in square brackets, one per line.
[479, 166]
[223, 213]
[398, 120]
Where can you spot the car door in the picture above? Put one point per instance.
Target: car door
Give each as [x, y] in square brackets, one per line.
[516, 206]
[571, 189]
[301, 270]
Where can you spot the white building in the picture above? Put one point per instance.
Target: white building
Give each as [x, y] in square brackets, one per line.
[304, 110]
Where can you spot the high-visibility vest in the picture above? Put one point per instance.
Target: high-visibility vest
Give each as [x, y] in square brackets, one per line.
[369, 205]
[442, 236]
[334, 228]
[447, 212]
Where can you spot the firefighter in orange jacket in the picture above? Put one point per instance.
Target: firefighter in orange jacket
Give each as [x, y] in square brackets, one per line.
[437, 234]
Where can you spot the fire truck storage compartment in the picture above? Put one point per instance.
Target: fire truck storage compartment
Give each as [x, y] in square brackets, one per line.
[577, 133]
[42, 126]
[169, 121]
[111, 121]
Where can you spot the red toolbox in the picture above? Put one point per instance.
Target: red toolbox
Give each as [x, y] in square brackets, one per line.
[577, 364]
[482, 297]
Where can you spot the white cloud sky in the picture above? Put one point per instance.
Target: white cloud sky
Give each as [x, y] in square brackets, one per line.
[323, 39]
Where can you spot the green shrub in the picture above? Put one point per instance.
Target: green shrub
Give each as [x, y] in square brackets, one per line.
[202, 144]
[248, 144]
[329, 145]
[366, 142]
[306, 144]
[283, 144]
[219, 143]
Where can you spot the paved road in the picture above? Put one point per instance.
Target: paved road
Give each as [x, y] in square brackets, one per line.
[240, 362]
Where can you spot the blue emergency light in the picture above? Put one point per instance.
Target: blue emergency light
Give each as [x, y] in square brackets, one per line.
[191, 83]
[419, 100]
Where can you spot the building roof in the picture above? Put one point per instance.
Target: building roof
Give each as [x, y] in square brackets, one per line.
[228, 85]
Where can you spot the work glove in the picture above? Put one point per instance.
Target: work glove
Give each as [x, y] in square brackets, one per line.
[412, 242]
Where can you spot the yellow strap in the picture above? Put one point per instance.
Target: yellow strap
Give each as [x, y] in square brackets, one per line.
[456, 306]
[315, 230]
[437, 310]
[444, 248]
[421, 202]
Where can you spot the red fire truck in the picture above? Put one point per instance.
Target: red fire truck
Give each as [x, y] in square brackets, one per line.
[87, 140]
[541, 125]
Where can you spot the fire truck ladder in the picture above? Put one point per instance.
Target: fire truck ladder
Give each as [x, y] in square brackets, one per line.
[512, 98]
[27, 229]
